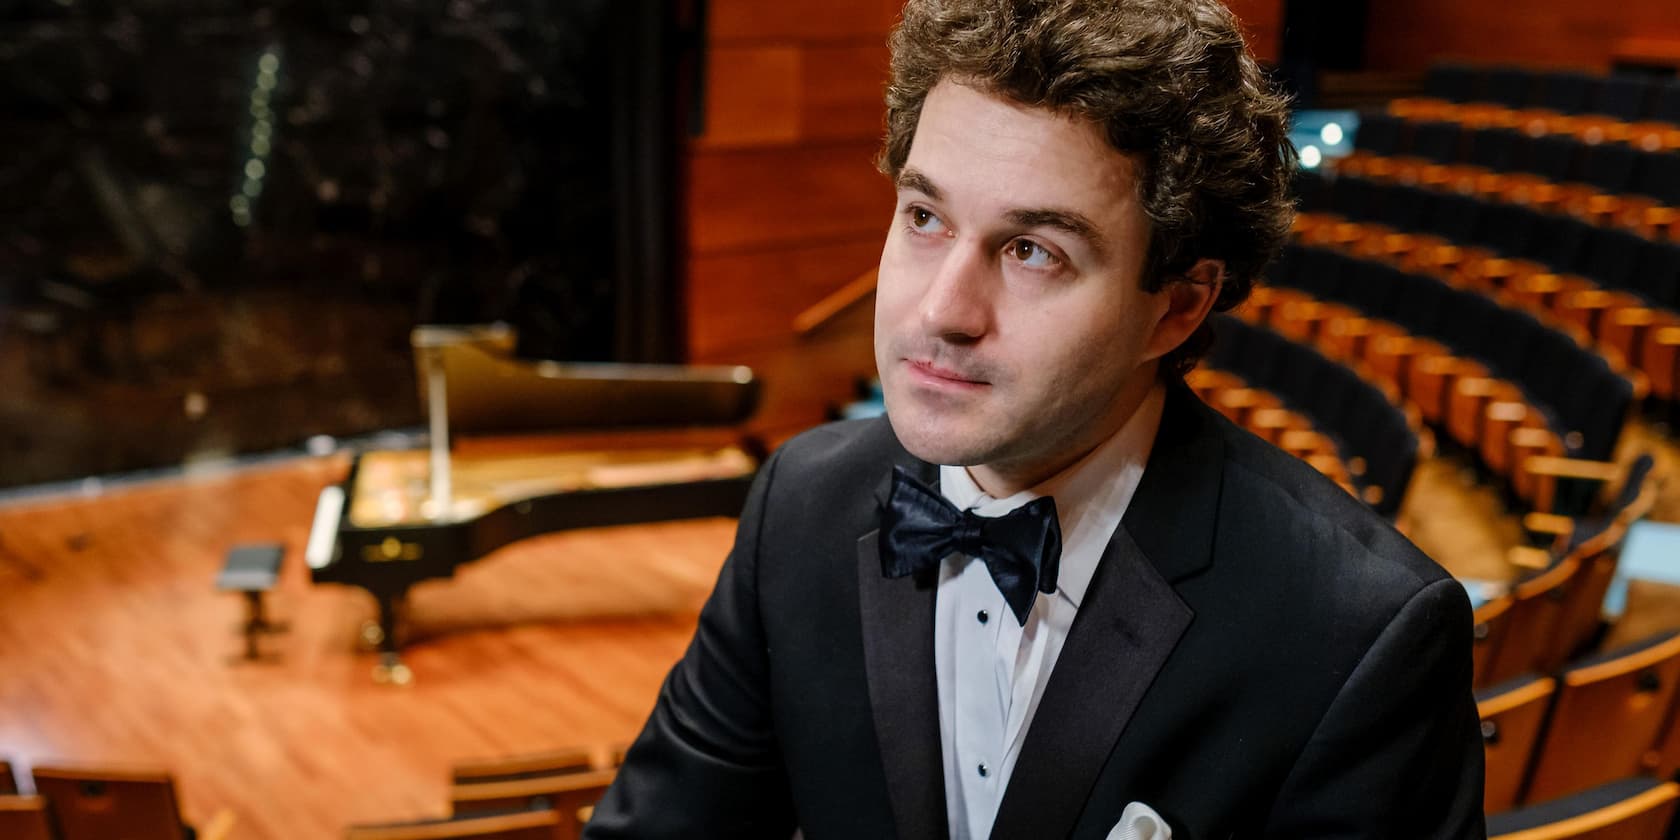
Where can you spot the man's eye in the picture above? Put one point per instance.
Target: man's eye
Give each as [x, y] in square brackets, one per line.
[1031, 254]
[922, 219]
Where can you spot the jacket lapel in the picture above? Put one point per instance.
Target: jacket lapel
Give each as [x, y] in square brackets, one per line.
[1126, 628]
[897, 616]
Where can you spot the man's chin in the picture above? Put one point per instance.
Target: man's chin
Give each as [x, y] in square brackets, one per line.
[937, 442]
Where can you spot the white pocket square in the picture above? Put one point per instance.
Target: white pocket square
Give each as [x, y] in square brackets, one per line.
[1140, 822]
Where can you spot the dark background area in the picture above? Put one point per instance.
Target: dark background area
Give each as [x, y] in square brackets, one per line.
[220, 220]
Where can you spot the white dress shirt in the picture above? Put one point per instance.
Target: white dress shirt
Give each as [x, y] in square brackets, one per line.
[991, 670]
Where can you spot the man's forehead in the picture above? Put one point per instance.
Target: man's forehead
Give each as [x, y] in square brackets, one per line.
[972, 145]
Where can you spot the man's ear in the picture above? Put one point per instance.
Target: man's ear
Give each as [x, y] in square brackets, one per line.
[1188, 299]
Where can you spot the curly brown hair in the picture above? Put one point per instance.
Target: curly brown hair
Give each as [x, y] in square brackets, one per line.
[1171, 82]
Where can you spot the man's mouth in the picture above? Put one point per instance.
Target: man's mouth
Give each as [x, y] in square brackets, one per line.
[937, 375]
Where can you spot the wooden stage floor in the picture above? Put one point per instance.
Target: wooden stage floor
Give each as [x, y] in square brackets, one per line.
[115, 648]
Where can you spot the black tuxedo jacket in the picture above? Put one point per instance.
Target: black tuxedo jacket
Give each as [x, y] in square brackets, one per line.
[1259, 655]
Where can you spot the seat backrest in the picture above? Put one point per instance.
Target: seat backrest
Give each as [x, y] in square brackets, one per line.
[110, 803]
[1509, 229]
[1456, 217]
[1436, 141]
[1555, 157]
[1626, 809]
[1665, 102]
[1565, 91]
[1659, 273]
[1599, 410]
[24, 818]
[1659, 176]
[1512, 713]
[1378, 133]
[1496, 149]
[1493, 620]
[1452, 82]
[568, 794]
[1609, 713]
[1581, 609]
[8, 781]
[1558, 241]
[1310, 189]
[1610, 167]
[1532, 621]
[1622, 96]
[558, 762]
[1508, 86]
[517, 825]
[1611, 257]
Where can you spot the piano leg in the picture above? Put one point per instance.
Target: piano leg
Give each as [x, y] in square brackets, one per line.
[390, 669]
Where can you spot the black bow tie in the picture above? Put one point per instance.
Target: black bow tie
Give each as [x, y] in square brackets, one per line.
[1022, 549]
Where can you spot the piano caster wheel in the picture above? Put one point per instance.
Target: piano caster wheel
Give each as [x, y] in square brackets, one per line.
[372, 636]
[392, 674]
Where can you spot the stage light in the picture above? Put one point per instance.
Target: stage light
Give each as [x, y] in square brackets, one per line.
[1331, 134]
[1311, 157]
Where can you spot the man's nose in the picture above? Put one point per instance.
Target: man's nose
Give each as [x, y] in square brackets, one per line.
[957, 302]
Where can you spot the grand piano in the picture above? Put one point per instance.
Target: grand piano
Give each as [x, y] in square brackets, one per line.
[637, 450]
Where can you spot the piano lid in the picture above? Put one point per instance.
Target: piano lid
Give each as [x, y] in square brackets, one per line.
[490, 391]
[391, 488]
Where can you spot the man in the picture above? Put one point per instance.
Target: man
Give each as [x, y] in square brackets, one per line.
[1054, 595]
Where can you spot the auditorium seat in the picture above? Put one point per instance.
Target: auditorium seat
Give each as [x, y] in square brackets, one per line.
[1633, 808]
[558, 762]
[1532, 620]
[107, 803]
[1622, 96]
[1492, 621]
[515, 825]
[570, 794]
[24, 818]
[1634, 494]
[1512, 714]
[1375, 439]
[1609, 712]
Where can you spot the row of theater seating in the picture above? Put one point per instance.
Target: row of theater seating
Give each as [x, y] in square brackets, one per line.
[546, 796]
[81, 803]
[1604, 183]
[534, 797]
[1495, 247]
[1585, 746]
[1262, 412]
[1502, 384]
[1605, 286]
[1624, 108]
[1604, 717]
[1368, 432]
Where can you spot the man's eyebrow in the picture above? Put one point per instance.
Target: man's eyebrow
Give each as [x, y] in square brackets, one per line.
[1063, 220]
[911, 179]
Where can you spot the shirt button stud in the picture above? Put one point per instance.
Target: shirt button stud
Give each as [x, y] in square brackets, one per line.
[982, 616]
[983, 770]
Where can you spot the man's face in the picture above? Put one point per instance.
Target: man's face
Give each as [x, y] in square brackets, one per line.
[1011, 329]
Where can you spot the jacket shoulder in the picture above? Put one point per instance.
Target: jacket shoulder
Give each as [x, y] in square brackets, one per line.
[1288, 507]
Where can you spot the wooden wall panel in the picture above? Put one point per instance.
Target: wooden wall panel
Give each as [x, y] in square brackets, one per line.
[789, 20]
[1262, 22]
[767, 95]
[785, 196]
[1547, 33]
[781, 281]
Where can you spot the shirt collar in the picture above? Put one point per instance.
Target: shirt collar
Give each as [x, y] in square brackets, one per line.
[1091, 494]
